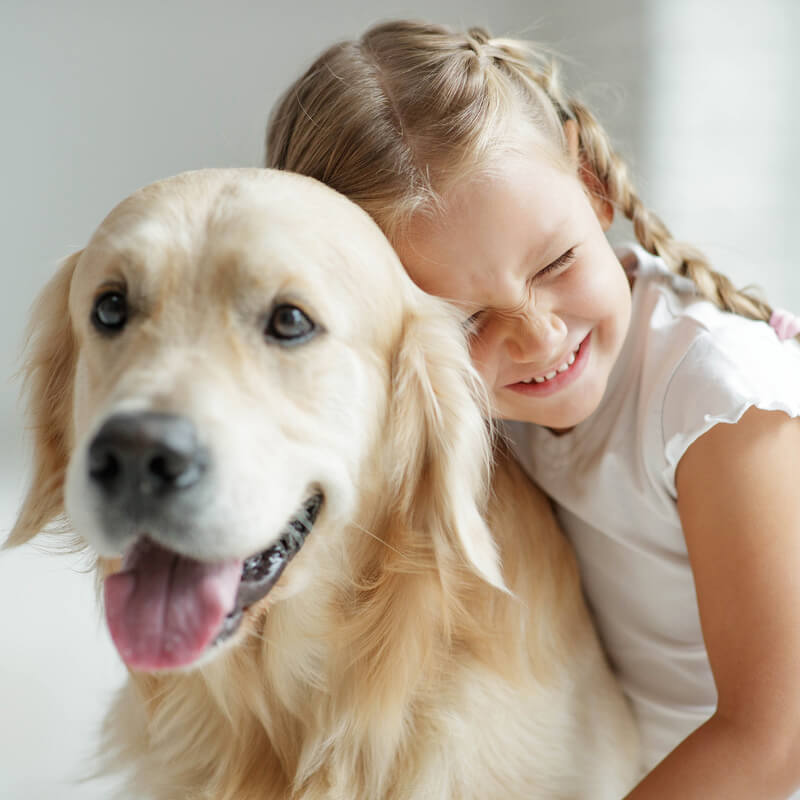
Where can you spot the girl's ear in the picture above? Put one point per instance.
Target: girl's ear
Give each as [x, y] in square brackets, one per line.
[595, 188]
[440, 440]
[49, 373]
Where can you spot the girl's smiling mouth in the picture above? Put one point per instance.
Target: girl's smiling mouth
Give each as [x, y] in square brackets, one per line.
[558, 378]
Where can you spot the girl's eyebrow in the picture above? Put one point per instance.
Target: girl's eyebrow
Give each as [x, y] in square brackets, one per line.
[512, 310]
[547, 245]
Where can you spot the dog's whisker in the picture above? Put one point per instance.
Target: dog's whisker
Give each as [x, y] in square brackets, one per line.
[378, 539]
[263, 638]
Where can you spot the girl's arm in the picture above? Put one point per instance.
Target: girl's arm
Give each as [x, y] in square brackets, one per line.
[739, 503]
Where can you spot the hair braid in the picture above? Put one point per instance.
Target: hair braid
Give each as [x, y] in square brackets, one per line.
[652, 233]
[396, 118]
[612, 173]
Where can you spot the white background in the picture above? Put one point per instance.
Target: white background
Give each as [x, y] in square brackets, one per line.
[99, 98]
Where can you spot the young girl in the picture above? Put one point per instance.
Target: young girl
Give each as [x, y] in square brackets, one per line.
[645, 394]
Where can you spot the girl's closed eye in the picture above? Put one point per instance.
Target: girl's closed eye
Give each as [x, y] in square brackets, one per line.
[473, 324]
[562, 262]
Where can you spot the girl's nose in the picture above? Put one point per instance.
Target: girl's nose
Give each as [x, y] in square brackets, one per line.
[535, 336]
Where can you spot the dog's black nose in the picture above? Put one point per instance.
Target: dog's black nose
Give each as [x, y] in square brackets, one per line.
[146, 453]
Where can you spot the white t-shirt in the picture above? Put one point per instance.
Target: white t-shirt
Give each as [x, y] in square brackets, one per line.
[685, 366]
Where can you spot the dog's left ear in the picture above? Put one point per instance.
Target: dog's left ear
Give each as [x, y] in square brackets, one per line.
[49, 371]
[440, 438]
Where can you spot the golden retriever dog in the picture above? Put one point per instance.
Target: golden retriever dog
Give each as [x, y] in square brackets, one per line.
[277, 449]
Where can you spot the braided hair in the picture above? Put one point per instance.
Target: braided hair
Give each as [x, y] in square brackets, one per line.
[394, 119]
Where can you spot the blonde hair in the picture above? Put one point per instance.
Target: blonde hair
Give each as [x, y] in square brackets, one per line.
[393, 119]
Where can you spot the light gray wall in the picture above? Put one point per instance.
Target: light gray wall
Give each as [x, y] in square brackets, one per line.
[99, 98]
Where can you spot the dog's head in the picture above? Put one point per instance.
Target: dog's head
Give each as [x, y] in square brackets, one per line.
[216, 380]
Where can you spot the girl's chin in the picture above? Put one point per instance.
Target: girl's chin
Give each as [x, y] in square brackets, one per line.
[558, 413]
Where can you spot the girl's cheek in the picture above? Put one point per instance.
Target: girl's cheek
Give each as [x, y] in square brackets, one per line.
[584, 284]
[598, 289]
[483, 358]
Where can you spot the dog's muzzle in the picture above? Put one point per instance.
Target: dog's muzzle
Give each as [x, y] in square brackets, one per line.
[165, 609]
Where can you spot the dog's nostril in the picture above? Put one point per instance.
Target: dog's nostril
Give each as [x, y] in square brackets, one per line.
[104, 466]
[173, 468]
[159, 467]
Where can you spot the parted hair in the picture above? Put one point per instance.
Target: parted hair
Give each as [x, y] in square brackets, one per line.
[392, 119]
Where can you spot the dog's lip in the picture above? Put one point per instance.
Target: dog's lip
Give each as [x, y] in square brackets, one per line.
[260, 572]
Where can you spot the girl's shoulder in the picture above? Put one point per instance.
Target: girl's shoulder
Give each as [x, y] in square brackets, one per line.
[698, 365]
[669, 313]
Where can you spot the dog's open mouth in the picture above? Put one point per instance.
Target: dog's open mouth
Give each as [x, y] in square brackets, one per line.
[165, 610]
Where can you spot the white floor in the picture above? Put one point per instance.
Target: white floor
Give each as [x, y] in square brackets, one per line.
[58, 669]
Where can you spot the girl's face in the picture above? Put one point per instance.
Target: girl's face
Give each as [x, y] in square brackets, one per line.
[524, 254]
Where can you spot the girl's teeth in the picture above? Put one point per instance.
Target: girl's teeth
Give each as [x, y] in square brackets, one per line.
[570, 362]
[550, 375]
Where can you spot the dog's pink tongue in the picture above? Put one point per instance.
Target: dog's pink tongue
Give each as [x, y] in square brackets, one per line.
[164, 610]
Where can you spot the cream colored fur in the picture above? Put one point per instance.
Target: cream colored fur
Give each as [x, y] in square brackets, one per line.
[406, 652]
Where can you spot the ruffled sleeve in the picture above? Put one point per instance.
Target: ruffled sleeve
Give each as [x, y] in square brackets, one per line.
[732, 365]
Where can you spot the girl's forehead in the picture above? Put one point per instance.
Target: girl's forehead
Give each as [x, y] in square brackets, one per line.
[520, 194]
[493, 230]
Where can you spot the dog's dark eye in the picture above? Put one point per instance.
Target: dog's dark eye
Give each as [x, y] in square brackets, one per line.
[110, 312]
[289, 325]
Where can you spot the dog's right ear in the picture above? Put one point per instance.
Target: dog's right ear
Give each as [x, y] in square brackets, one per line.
[440, 440]
[48, 372]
